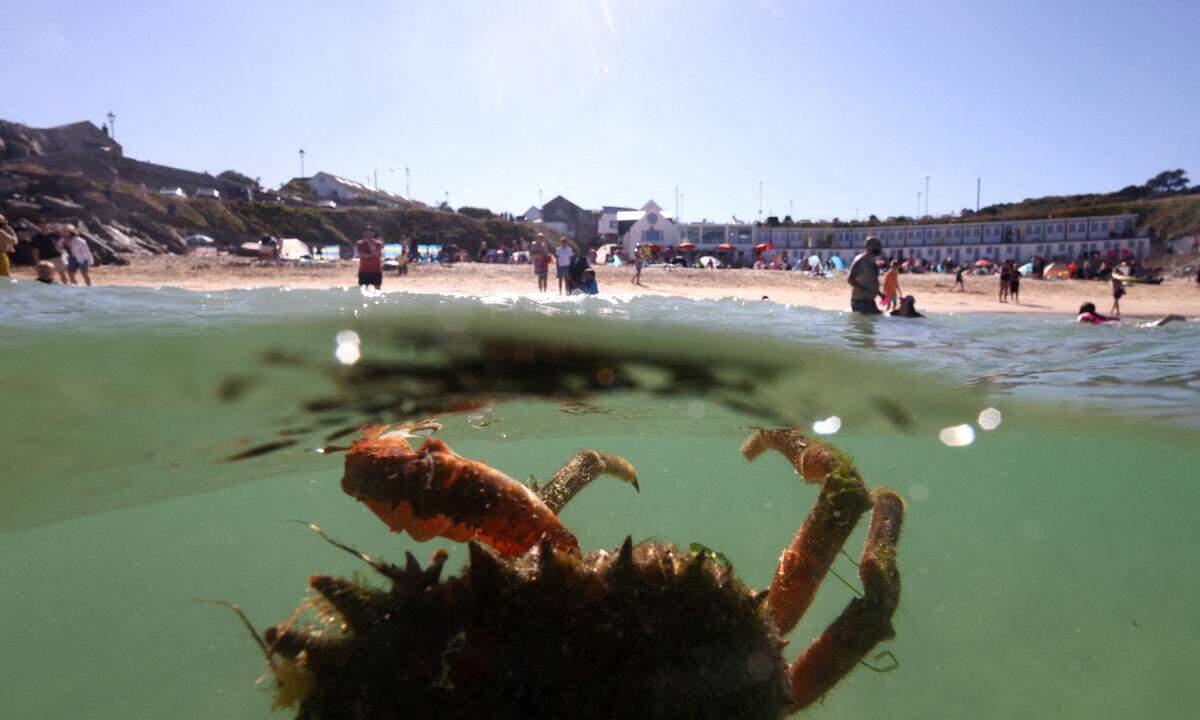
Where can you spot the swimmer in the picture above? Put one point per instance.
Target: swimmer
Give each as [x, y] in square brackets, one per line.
[1089, 316]
[907, 308]
[45, 272]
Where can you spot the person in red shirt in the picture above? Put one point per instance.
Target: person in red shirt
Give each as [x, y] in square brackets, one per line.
[370, 259]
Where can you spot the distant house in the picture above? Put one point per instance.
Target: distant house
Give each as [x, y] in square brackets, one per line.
[533, 214]
[172, 191]
[332, 187]
[648, 226]
[571, 220]
[207, 193]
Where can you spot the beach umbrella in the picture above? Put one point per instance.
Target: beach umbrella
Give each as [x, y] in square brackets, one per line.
[686, 246]
[763, 247]
[654, 246]
[984, 263]
[725, 246]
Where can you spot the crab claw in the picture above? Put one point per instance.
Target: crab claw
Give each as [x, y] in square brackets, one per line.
[433, 491]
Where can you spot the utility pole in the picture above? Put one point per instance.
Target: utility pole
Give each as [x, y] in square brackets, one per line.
[539, 198]
[447, 198]
[791, 208]
[676, 203]
[978, 185]
[918, 205]
[301, 162]
[682, 197]
[375, 172]
[926, 196]
[112, 125]
[760, 184]
[407, 186]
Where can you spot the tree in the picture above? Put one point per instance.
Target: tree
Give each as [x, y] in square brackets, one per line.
[237, 177]
[477, 213]
[1168, 181]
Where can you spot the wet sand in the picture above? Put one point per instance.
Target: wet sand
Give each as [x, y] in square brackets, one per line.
[933, 292]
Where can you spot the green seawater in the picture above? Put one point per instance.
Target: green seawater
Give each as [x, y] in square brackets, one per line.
[1049, 566]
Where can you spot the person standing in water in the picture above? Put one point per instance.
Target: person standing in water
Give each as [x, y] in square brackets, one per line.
[1014, 283]
[370, 259]
[8, 243]
[891, 287]
[864, 278]
[541, 263]
[562, 258]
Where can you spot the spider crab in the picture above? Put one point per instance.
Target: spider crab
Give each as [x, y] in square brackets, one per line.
[535, 629]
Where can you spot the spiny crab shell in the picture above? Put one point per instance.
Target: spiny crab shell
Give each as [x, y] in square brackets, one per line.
[642, 632]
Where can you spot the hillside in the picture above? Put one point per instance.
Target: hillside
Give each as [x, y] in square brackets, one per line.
[77, 174]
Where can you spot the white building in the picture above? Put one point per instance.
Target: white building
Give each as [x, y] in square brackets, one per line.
[333, 187]
[961, 240]
[533, 214]
[608, 226]
[647, 226]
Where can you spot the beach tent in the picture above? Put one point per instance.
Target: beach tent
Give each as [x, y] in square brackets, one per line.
[837, 262]
[706, 259]
[1056, 270]
[1026, 270]
[331, 252]
[293, 249]
[814, 262]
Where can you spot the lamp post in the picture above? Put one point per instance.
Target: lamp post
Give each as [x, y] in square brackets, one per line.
[301, 162]
[926, 196]
[112, 125]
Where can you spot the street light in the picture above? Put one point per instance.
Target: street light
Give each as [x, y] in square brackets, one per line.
[301, 162]
[112, 125]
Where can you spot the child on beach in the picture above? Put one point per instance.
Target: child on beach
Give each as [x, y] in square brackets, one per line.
[958, 279]
[891, 287]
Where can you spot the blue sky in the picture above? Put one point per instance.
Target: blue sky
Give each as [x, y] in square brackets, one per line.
[837, 107]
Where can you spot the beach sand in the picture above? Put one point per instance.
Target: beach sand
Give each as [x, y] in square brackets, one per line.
[932, 291]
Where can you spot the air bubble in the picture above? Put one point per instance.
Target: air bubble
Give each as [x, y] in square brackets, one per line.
[989, 419]
[957, 435]
[348, 349]
[828, 426]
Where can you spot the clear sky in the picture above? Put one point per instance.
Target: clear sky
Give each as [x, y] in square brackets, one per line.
[837, 107]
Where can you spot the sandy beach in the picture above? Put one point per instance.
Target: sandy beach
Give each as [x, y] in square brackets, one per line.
[932, 291]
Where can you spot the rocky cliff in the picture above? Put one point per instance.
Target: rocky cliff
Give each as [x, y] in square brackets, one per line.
[76, 173]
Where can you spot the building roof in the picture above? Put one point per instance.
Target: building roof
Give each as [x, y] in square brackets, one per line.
[344, 181]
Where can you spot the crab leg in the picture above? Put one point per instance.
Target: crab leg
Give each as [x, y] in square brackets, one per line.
[842, 500]
[434, 491]
[866, 621]
[586, 466]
